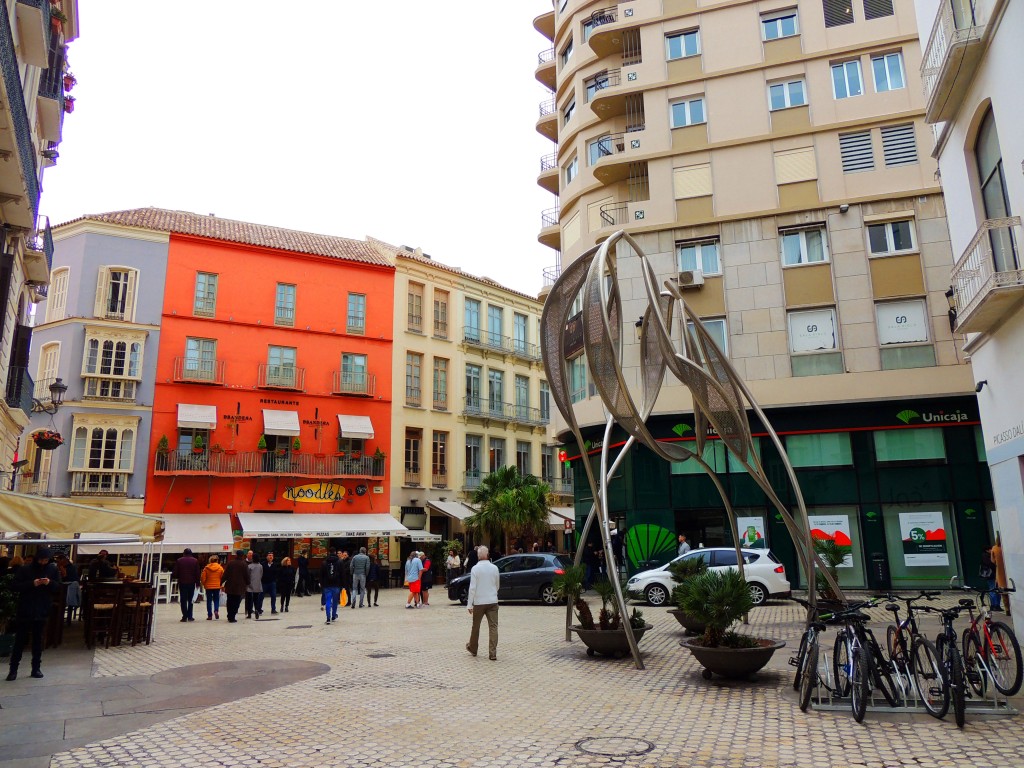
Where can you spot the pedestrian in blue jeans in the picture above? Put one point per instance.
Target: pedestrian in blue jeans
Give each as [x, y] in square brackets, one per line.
[330, 580]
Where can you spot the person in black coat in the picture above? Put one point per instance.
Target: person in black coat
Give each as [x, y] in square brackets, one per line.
[36, 583]
[285, 583]
[373, 579]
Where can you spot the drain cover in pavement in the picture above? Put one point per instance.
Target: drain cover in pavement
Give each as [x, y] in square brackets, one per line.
[614, 746]
[380, 655]
[300, 626]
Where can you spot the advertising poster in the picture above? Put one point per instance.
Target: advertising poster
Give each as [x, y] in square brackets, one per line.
[836, 528]
[924, 539]
[752, 532]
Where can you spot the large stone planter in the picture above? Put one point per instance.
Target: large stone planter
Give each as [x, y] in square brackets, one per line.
[688, 622]
[608, 642]
[732, 663]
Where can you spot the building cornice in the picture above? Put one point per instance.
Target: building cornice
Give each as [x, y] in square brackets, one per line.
[91, 226]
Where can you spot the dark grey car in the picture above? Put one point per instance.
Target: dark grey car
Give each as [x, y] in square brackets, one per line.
[523, 577]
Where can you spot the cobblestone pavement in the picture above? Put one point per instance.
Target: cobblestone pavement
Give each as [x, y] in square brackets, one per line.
[402, 691]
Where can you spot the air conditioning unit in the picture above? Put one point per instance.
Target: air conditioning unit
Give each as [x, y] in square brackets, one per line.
[691, 278]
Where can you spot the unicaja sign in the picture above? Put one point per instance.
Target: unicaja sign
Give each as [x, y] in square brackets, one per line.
[931, 417]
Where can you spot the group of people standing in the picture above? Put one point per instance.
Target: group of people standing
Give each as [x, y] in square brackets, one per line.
[360, 576]
[419, 578]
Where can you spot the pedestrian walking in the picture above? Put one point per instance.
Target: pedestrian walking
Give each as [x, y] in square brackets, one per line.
[35, 584]
[236, 581]
[471, 559]
[373, 579]
[360, 568]
[684, 545]
[483, 601]
[186, 570]
[248, 593]
[285, 583]
[330, 581]
[270, 574]
[255, 588]
[413, 569]
[997, 560]
[212, 579]
[426, 579]
[303, 588]
[451, 565]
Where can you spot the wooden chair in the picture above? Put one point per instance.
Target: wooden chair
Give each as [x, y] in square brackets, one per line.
[137, 624]
[102, 613]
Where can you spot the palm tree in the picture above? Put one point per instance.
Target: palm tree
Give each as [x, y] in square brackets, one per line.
[511, 504]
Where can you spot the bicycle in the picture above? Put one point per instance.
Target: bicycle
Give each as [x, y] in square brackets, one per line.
[953, 688]
[806, 659]
[989, 648]
[858, 662]
[913, 656]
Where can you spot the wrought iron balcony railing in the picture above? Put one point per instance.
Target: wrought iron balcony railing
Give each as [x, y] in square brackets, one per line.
[473, 479]
[32, 483]
[549, 162]
[551, 274]
[614, 214]
[230, 463]
[946, 57]
[547, 107]
[439, 480]
[559, 486]
[484, 339]
[96, 482]
[17, 114]
[548, 54]
[549, 217]
[190, 369]
[354, 383]
[483, 408]
[19, 388]
[282, 377]
[988, 278]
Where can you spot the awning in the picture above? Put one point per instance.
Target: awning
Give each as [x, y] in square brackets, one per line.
[280, 422]
[453, 509]
[197, 416]
[358, 427]
[63, 519]
[200, 533]
[558, 515]
[268, 525]
[424, 536]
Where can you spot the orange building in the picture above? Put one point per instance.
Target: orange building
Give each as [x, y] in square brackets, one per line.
[273, 382]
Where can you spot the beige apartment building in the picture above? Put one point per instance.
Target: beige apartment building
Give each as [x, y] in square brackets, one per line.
[773, 158]
[470, 394]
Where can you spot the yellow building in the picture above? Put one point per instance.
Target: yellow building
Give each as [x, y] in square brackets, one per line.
[772, 157]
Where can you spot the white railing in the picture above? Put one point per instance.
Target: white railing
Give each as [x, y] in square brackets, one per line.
[954, 24]
[977, 271]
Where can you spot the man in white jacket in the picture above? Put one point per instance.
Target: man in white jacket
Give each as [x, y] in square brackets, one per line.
[483, 601]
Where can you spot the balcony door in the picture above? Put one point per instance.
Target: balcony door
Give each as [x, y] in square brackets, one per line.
[993, 194]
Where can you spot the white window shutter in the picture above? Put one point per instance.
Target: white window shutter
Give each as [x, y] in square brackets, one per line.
[792, 165]
[129, 301]
[693, 181]
[102, 286]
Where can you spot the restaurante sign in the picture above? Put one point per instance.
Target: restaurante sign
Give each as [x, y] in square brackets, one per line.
[315, 493]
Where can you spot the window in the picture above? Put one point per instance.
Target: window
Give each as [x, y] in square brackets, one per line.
[413, 438]
[578, 378]
[716, 329]
[46, 373]
[903, 335]
[56, 302]
[569, 111]
[577, 305]
[571, 170]
[440, 384]
[200, 359]
[519, 333]
[566, 52]
[284, 305]
[714, 456]
[687, 112]
[473, 373]
[472, 320]
[856, 151]
[545, 401]
[995, 199]
[523, 457]
[700, 255]
[115, 293]
[496, 392]
[876, 9]
[924, 444]
[474, 454]
[496, 448]
[888, 70]
[439, 460]
[413, 366]
[846, 79]
[803, 246]
[547, 463]
[890, 237]
[601, 147]
[281, 371]
[495, 320]
[838, 12]
[682, 44]
[899, 144]
[813, 342]
[779, 24]
[587, 27]
[102, 454]
[441, 314]
[353, 373]
[522, 394]
[829, 449]
[112, 364]
[356, 319]
[415, 307]
[597, 83]
[786, 95]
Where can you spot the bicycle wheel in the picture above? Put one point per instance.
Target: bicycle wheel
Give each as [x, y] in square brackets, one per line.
[957, 688]
[842, 664]
[1002, 654]
[897, 639]
[928, 677]
[860, 683]
[881, 667]
[972, 655]
[800, 654]
[809, 675]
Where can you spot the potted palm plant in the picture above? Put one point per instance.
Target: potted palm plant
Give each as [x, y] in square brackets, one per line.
[607, 635]
[719, 599]
[197, 444]
[682, 570]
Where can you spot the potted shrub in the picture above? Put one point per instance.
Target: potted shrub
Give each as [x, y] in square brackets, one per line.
[296, 446]
[197, 444]
[261, 444]
[681, 571]
[379, 454]
[163, 446]
[57, 18]
[216, 448]
[69, 104]
[47, 439]
[719, 599]
[8, 606]
[606, 636]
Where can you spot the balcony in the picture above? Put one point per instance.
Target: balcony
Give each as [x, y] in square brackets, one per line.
[34, 31]
[260, 463]
[605, 40]
[481, 408]
[545, 24]
[475, 337]
[473, 479]
[282, 377]
[607, 97]
[39, 253]
[559, 486]
[19, 180]
[612, 163]
[50, 103]
[547, 122]
[99, 483]
[614, 214]
[951, 58]
[412, 478]
[550, 234]
[198, 371]
[109, 389]
[545, 72]
[439, 480]
[550, 275]
[548, 178]
[988, 281]
[440, 402]
[27, 482]
[354, 383]
[19, 389]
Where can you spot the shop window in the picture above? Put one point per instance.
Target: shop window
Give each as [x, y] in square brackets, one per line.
[828, 449]
[895, 445]
[979, 444]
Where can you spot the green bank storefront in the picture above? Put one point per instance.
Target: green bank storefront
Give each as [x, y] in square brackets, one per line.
[903, 484]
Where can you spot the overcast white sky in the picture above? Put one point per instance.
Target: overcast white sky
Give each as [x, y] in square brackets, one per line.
[412, 122]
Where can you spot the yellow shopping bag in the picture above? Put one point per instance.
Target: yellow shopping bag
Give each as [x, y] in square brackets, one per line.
[343, 600]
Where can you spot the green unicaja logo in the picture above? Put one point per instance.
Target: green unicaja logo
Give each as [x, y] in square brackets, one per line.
[907, 415]
[682, 429]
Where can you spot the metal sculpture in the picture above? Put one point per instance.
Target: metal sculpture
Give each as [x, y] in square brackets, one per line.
[720, 397]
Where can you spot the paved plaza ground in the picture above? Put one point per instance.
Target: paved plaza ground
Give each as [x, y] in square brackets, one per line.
[388, 687]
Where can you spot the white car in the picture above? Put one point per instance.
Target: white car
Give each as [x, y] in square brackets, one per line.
[764, 573]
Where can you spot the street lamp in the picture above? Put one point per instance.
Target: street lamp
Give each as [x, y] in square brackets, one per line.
[951, 300]
[57, 390]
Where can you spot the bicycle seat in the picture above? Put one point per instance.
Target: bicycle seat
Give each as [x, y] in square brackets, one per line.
[858, 616]
[892, 607]
[818, 626]
[966, 602]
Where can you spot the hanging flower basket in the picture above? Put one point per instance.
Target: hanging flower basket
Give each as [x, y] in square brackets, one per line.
[69, 81]
[69, 104]
[47, 440]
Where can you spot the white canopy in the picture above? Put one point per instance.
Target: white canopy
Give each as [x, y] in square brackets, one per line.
[355, 426]
[280, 422]
[63, 519]
[424, 536]
[453, 509]
[200, 533]
[268, 525]
[558, 515]
[197, 416]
